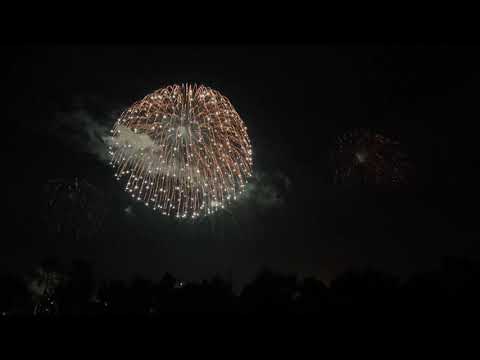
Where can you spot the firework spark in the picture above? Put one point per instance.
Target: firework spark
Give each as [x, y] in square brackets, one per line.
[369, 158]
[183, 150]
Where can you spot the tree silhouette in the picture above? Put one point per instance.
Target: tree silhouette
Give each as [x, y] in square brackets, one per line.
[269, 291]
[55, 290]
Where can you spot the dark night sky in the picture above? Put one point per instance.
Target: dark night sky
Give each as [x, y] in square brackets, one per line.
[295, 101]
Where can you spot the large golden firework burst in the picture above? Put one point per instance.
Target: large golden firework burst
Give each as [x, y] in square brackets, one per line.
[183, 151]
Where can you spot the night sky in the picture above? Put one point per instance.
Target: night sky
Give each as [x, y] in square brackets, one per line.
[295, 100]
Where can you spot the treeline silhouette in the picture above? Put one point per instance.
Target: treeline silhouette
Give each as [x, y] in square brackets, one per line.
[55, 290]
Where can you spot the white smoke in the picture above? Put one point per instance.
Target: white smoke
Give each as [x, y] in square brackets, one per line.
[131, 144]
[83, 131]
[267, 190]
[130, 140]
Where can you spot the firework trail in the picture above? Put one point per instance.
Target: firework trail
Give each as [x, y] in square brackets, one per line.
[183, 150]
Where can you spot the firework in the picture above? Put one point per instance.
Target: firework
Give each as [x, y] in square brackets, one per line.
[369, 158]
[73, 207]
[42, 284]
[182, 150]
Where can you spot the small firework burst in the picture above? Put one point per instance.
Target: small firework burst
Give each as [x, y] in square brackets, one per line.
[42, 284]
[73, 207]
[183, 150]
[362, 156]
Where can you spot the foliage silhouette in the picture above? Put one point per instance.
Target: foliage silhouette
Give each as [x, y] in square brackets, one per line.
[73, 291]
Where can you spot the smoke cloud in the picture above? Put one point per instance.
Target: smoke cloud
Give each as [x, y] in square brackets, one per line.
[84, 128]
[267, 190]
